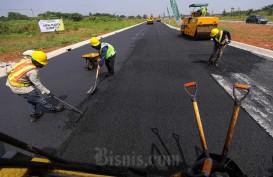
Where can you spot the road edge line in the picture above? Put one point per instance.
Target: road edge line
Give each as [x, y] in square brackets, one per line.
[265, 53]
[60, 51]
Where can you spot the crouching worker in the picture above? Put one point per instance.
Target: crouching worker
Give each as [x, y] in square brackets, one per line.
[22, 79]
[221, 40]
[107, 54]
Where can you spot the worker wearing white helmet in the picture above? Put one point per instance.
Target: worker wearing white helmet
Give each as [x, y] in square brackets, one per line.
[23, 76]
[107, 54]
[221, 39]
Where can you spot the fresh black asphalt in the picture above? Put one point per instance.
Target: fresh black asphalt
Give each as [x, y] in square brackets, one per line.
[144, 112]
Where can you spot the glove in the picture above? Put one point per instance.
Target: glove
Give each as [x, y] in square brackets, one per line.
[50, 94]
[227, 42]
[98, 67]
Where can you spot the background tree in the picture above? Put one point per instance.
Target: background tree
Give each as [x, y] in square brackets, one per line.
[250, 11]
[224, 13]
[17, 16]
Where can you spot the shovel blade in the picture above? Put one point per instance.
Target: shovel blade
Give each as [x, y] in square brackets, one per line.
[92, 90]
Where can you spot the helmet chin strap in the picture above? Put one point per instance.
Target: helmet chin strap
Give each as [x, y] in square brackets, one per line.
[36, 63]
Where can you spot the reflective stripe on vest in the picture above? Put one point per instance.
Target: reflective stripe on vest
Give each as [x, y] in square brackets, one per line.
[220, 37]
[19, 71]
[110, 51]
[203, 11]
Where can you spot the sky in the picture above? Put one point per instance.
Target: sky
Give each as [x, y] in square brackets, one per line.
[122, 7]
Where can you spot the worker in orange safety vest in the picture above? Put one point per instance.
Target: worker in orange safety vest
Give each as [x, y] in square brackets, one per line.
[23, 76]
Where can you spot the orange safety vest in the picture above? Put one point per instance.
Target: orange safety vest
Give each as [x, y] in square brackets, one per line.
[19, 71]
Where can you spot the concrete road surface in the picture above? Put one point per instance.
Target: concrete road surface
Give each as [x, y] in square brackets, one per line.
[144, 113]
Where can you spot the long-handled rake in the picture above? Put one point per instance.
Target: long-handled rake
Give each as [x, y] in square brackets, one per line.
[68, 104]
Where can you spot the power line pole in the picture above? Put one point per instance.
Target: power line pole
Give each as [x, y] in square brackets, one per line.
[32, 12]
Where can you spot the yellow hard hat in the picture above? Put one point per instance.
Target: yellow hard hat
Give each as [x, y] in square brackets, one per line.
[40, 57]
[207, 8]
[94, 41]
[213, 32]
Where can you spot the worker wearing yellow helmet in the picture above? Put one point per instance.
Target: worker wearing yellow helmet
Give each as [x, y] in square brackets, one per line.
[107, 54]
[221, 39]
[22, 79]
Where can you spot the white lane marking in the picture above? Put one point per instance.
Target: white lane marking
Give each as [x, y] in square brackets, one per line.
[257, 104]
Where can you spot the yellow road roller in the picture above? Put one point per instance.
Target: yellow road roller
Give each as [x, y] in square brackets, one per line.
[198, 25]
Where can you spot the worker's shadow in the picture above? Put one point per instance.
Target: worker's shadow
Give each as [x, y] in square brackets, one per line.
[166, 163]
[205, 62]
[102, 76]
[187, 38]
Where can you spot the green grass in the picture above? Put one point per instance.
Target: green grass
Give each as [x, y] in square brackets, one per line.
[21, 35]
[244, 17]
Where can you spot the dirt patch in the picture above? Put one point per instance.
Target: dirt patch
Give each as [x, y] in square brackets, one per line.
[17, 56]
[252, 34]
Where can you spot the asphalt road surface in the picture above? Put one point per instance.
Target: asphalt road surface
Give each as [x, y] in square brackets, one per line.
[144, 113]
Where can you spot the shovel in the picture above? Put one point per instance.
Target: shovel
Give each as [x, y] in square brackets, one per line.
[209, 163]
[205, 162]
[236, 109]
[93, 88]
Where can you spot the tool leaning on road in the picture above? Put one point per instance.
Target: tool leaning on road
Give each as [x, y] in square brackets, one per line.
[209, 164]
[22, 79]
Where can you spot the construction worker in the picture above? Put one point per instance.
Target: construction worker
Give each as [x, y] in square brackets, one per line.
[107, 54]
[23, 76]
[221, 39]
[201, 12]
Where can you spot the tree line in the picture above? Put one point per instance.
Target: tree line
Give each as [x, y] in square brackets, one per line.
[68, 16]
[237, 12]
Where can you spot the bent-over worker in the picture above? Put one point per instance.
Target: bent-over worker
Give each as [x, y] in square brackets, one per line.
[221, 39]
[107, 54]
[23, 77]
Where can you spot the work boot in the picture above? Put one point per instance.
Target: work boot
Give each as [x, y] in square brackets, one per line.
[58, 108]
[111, 77]
[107, 75]
[36, 116]
[210, 63]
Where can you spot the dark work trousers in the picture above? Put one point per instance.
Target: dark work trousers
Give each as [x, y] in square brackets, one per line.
[110, 63]
[219, 54]
[33, 98]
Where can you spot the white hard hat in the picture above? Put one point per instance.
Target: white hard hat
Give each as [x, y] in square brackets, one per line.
[28, 52]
